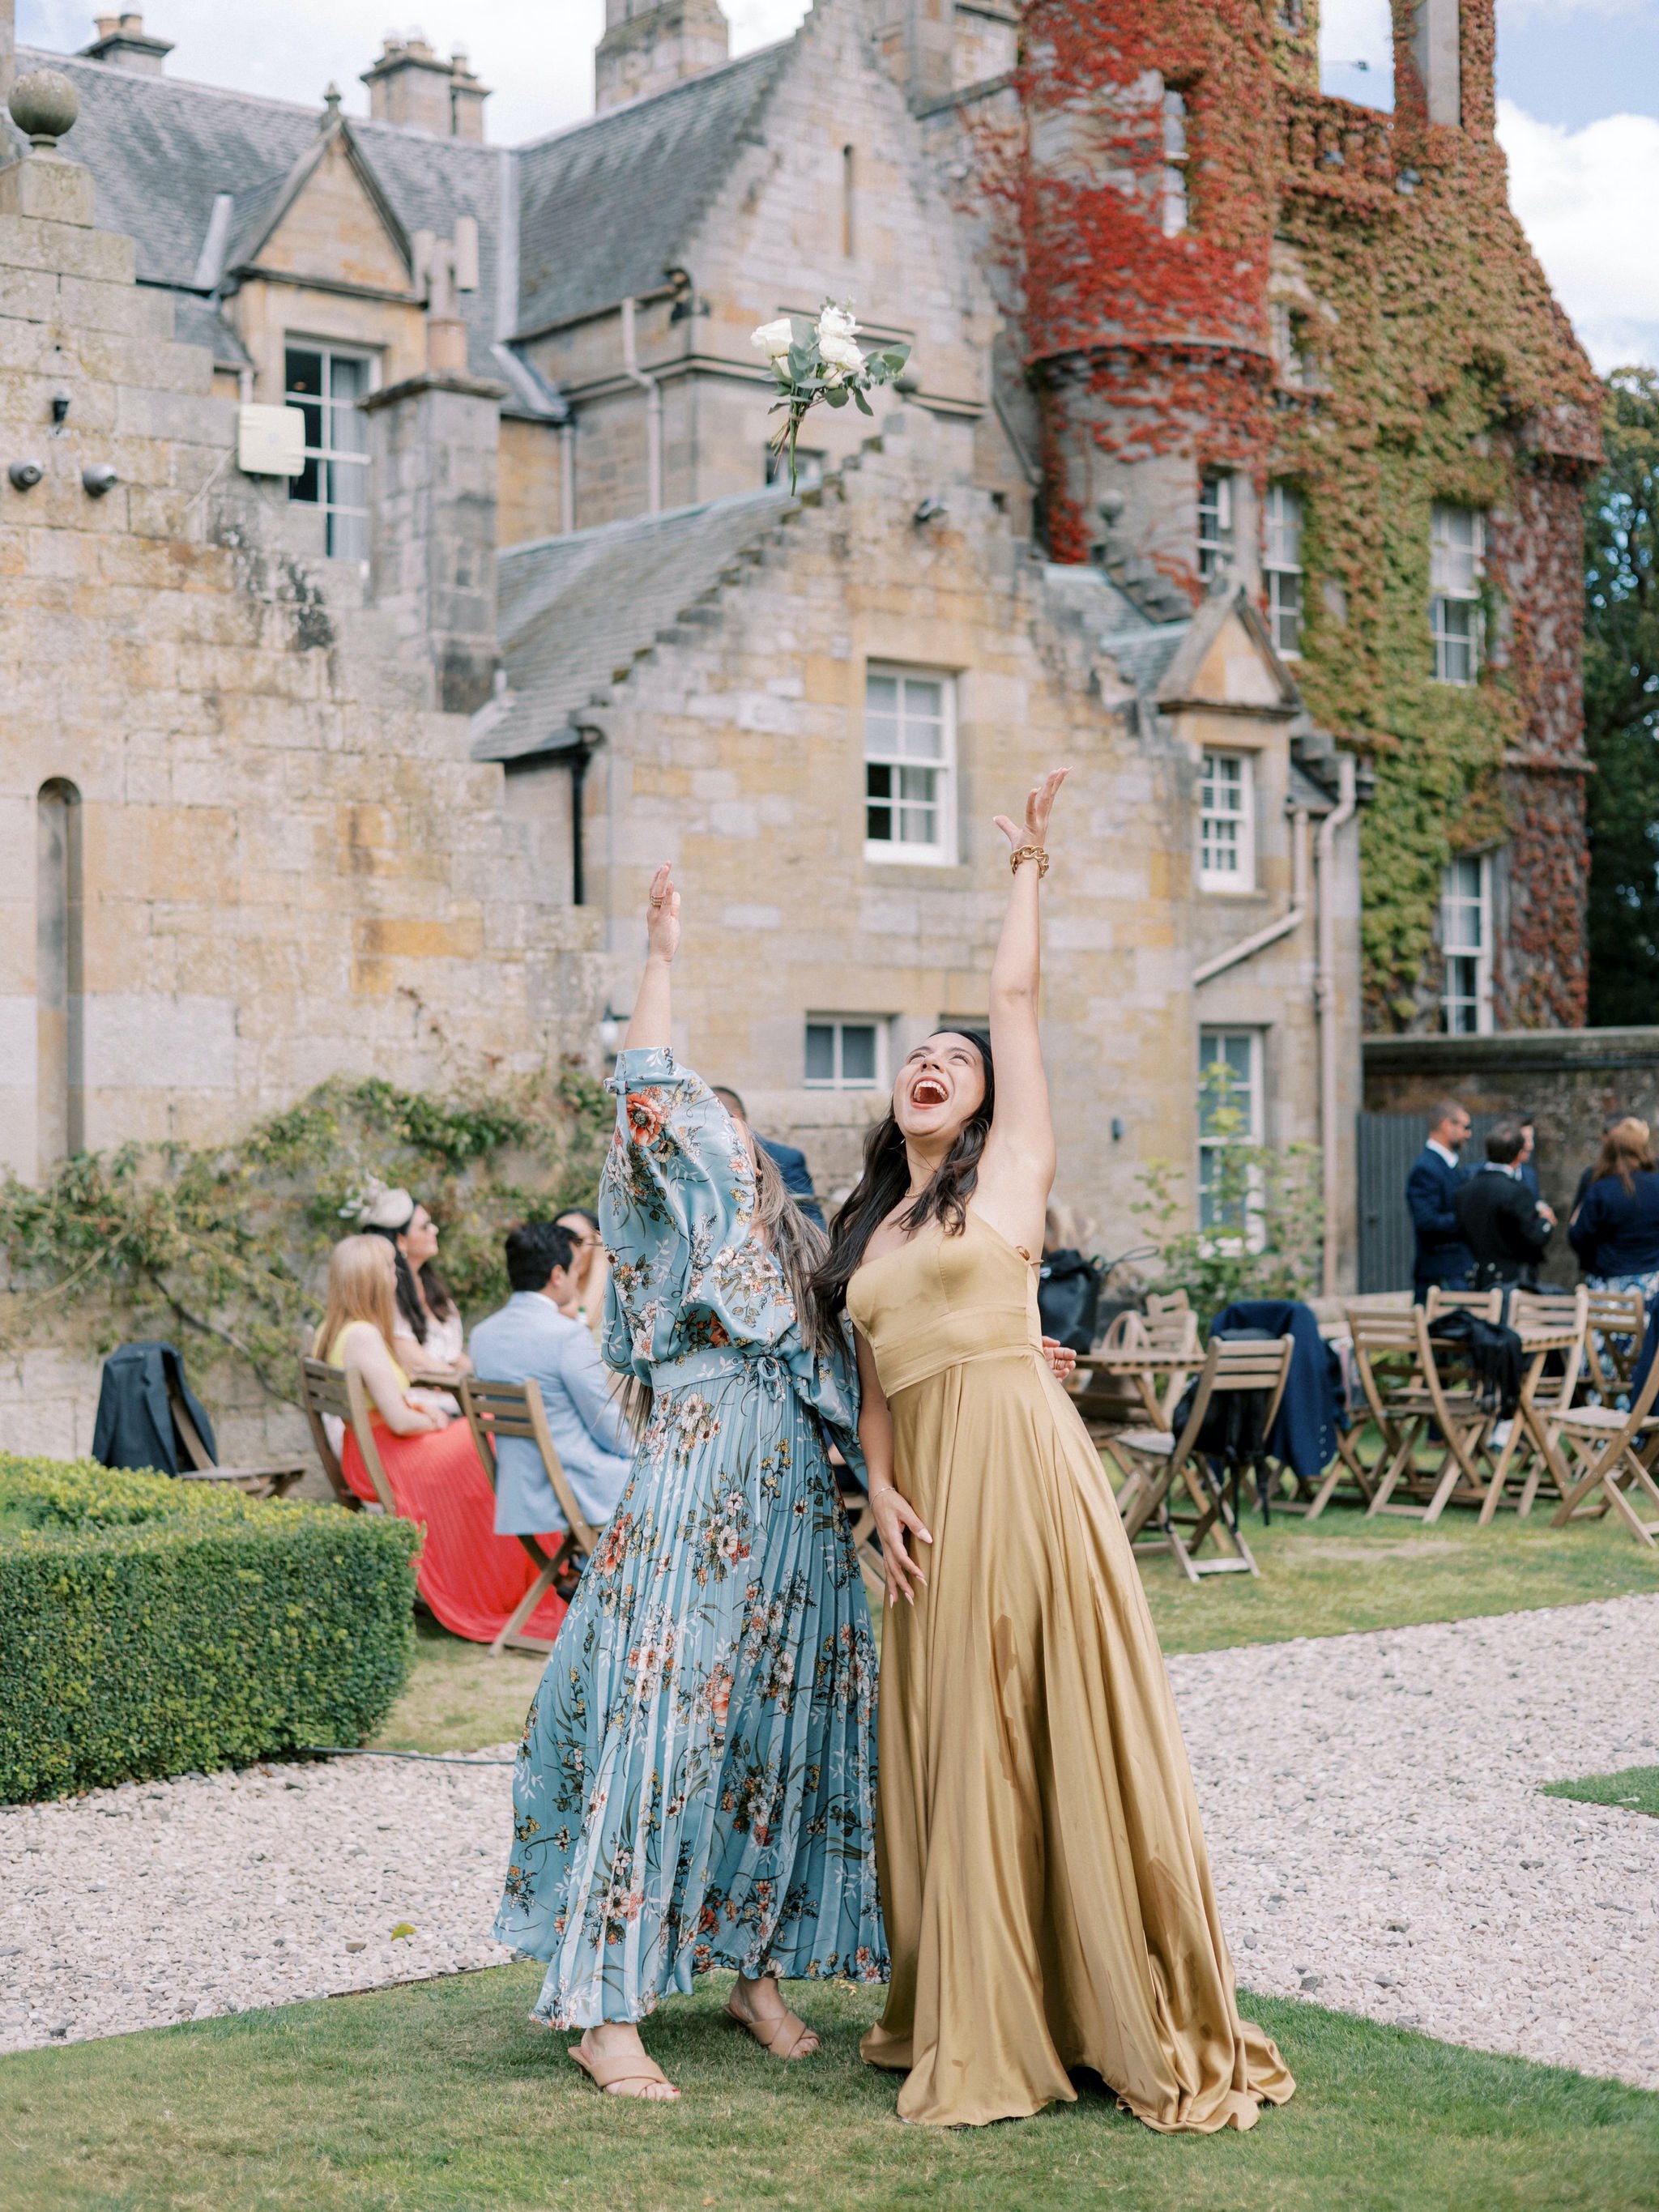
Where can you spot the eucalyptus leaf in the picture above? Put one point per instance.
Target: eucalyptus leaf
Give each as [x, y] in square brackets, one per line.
[865, 408]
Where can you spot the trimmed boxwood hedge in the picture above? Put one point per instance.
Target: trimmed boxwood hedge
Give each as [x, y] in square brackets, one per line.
[151, 1626]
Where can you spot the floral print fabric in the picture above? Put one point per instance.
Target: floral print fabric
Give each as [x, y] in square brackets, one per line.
[697, 1782]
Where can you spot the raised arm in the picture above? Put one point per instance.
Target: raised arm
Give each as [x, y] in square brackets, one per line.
[1018, 1168]
[652, 1022]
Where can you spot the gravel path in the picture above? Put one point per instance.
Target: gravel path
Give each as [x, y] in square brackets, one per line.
[1372, 1803]
[1379, 1841]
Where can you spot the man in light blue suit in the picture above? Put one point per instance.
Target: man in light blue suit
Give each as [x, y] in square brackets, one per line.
[531, 1340]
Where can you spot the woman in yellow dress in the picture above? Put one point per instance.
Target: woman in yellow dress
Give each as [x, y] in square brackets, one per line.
[1044, 1874]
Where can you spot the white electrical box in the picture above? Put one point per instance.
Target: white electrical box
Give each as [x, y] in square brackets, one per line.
[270, 441]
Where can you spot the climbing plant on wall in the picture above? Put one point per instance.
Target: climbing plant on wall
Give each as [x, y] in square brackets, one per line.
[226, 1245]
[1621, 704]
[1431, 363]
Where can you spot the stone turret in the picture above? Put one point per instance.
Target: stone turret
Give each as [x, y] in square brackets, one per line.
[649, 45]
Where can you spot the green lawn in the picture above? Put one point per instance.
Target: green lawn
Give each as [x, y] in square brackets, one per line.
[443, 2098]
[1633, 1789]
[1344, 1572]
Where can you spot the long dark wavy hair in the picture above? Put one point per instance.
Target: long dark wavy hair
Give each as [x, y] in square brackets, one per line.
[439, 1302]
[886, 1178]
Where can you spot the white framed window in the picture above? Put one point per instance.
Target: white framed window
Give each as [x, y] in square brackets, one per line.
[326, 385]
[1226, 822]
[1215, 521]
[1457, 551]
[809, 468]
[1174, 212]
[1229, 1112]
[1281, 568]
[1466, 940]
[846, 1052]
[909, 766]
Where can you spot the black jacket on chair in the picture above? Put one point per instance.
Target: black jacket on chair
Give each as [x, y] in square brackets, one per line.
[134, 1426]
[1431, 1188]
[1503, 1228]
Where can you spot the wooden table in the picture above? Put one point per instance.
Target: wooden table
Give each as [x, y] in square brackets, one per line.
[1142, 1369]
[1532, 1422]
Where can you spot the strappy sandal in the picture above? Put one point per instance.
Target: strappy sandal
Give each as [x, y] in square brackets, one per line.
[615, 2074]
[780, 2037]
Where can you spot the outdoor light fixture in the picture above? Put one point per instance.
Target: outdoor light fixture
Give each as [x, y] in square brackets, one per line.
[98, 479]
[931, 510]
[1117, 1128]
[613, 1027]
[25, 475]
[60, 408]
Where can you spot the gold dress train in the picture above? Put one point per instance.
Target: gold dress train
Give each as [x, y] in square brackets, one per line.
[1044, 1874]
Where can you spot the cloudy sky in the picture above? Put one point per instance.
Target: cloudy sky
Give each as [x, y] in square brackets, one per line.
[1578, 84]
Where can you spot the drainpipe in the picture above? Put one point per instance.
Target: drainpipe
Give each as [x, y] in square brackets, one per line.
[568, 475]
[1219, 962]
[1325, 1006]
[652, 392]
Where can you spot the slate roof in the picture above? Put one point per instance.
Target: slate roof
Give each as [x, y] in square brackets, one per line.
[197, 321]
[607, 205]
[162, 151]
[1143, 656]
[575, 610]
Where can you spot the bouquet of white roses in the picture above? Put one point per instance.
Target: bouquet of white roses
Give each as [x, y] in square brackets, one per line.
[824, 365]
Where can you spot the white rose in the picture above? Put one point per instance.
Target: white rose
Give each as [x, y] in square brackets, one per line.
[774, 339]
[835, 322]
[840, 354]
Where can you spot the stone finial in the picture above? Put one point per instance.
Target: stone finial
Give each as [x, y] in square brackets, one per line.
[332, 100]
[44, 105]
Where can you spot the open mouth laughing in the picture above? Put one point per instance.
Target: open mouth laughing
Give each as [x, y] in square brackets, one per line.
[929, 1090]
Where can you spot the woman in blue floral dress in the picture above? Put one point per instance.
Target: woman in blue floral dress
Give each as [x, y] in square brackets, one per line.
[696, 1784]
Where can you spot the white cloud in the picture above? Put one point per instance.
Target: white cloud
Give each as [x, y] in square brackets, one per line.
[1586, 199]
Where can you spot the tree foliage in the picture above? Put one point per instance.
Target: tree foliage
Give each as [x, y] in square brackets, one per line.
[230, 1242]
[1621, 704]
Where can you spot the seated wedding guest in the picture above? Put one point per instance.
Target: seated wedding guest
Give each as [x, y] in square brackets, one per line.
[471, 1578]
[1504, 1226]
[791, 1164]
[532, 1337]
[430, 1334]
[590, 1271]
[1615, 1230]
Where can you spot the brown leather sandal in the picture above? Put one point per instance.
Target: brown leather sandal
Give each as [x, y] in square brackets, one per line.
[780, 2037]
[614, 2075]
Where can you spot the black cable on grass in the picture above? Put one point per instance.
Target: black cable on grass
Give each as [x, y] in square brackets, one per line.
[430, 1758]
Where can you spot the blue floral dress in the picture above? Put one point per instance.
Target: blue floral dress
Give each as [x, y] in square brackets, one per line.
[697, 1782]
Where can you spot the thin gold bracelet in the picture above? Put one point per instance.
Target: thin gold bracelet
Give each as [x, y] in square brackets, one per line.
[1036, 853]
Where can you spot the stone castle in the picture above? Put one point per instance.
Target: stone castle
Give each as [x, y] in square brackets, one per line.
[392, 569]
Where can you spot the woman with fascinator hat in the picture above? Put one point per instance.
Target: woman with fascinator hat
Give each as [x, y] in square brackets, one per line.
[429, 1330]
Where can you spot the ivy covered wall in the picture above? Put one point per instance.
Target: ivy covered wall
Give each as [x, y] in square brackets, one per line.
[1250, 277]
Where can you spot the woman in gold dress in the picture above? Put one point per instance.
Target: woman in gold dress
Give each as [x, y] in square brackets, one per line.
[1044, 1874]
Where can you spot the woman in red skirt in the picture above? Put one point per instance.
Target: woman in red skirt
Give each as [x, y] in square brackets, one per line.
[470, 1577]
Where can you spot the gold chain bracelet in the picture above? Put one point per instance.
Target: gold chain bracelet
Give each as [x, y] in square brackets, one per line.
[1036, 853]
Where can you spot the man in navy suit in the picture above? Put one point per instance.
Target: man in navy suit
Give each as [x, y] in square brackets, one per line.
[1432, 1194]
[791, 1164]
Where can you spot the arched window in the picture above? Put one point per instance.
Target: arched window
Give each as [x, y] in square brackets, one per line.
[60, 1058]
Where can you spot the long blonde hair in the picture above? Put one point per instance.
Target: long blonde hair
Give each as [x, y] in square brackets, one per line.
[1626, 1151]
[362, 1279]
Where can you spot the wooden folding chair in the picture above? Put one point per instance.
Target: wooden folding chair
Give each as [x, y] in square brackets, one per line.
[1617, 1321]
[1603, 1443]
[1410, 1402]
[1547, 1322]
[340, 1391]
[1155, 1460]
[494, 1410]
[275, 1481]
[1484, 1305]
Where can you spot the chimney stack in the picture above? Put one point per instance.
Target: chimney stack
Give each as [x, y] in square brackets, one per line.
[123, 41]
[414, 86]
[649, 45]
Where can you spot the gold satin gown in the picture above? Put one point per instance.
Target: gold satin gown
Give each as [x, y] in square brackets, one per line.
[1044, 1874]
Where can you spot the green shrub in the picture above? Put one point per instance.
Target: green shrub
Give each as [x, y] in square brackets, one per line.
[149, 1627]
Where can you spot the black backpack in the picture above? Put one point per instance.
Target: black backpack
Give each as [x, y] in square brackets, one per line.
[1068, 1298]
